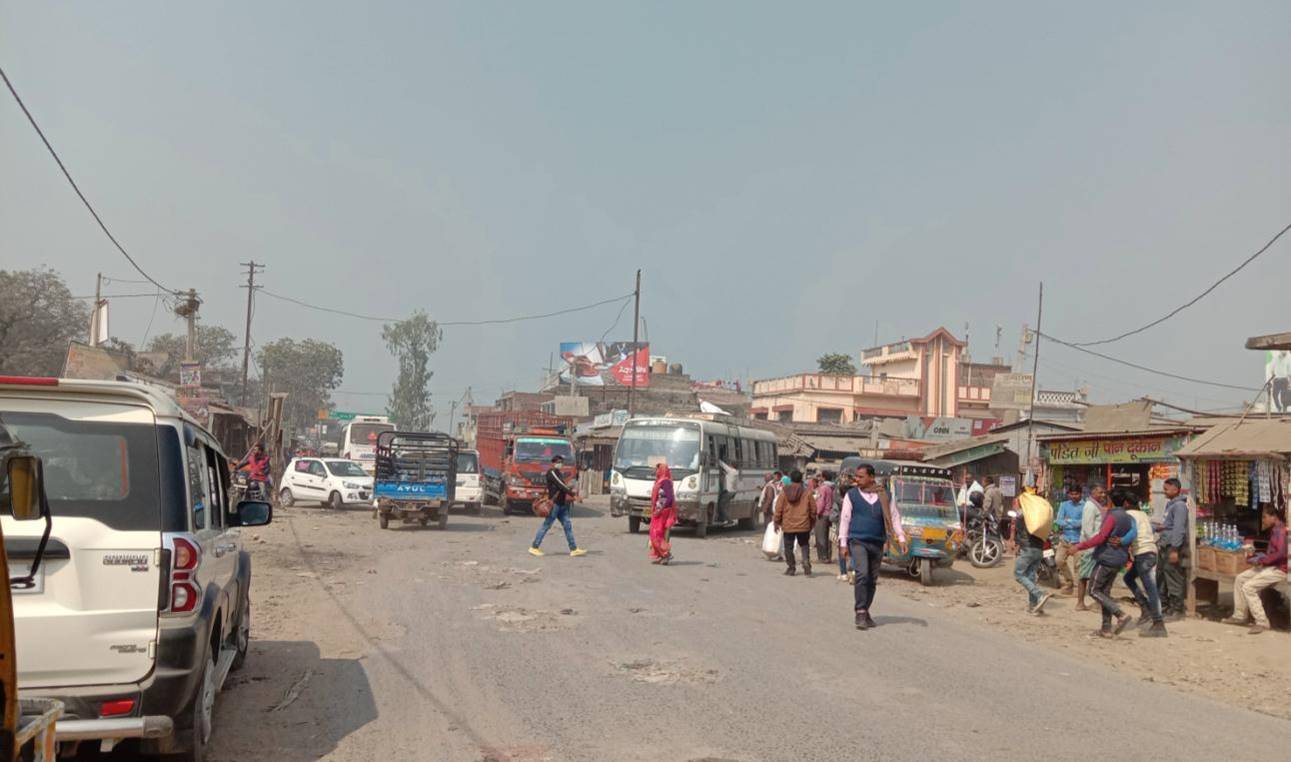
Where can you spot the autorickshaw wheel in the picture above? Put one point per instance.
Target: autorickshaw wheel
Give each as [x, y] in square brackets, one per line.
[384, 521]
[634, 524]
[925, 572]
[443, 519]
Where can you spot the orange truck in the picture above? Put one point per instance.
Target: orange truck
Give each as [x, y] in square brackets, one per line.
[516, 448]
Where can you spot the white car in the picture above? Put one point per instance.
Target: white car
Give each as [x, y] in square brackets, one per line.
[334, 482]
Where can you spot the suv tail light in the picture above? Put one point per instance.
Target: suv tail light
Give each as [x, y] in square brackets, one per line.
[118, 708]
[184, 557]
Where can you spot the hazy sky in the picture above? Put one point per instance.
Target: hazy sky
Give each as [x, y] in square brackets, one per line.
[785, 175]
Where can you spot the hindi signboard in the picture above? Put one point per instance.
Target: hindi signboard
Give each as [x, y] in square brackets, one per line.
[1126, 450]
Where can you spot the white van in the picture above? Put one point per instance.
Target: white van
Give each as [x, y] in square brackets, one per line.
[140, 609]
[469, 489]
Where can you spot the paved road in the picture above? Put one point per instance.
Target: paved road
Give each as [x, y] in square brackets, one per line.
[459, 646]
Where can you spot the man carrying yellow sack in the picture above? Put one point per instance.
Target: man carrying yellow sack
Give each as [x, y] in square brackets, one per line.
[1030, 530]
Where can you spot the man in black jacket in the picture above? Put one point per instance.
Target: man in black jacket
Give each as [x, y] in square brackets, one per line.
[561, 495]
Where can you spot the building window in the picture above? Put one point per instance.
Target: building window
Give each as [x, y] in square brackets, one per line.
[784, 415]
[760, 416]
[829, 415]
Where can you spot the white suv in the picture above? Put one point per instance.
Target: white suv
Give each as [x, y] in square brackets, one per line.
[141, 607]
[334, 482]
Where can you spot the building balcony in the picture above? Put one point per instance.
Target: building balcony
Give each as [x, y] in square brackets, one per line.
[898, 352]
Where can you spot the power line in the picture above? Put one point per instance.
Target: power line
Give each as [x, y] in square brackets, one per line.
[1146, 369]
[495, 321]
[118, 296]
[76, 188]
[1188, 304]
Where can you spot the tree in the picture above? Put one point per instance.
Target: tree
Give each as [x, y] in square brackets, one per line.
[214, 347]
[307, 371]
[411, 342]
[38, 317]
[835, 364]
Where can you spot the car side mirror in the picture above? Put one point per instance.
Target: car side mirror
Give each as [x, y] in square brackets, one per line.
[25, 475]
[254, 513]
[26, 487]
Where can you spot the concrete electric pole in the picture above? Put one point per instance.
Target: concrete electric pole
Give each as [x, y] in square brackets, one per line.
[252, 269]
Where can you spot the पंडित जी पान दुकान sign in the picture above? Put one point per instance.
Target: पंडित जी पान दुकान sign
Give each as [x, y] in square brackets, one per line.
[1125, 450]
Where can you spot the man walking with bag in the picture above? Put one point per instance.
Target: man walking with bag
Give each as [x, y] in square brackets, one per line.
[561, 495]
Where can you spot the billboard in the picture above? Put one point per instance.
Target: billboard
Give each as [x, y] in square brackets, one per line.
[1277, 374]
[1011, 391]
[602, 363]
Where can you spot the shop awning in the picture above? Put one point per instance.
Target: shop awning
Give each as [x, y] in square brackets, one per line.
[967, 456]
[1252, 438]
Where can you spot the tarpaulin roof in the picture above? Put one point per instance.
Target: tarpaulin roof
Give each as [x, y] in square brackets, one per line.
[1251, 438]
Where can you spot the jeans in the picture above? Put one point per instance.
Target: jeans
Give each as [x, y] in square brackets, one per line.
[1144, 571]
[1068, 560]
[803, 539]
[1172, 583]
[561, 512]
[1024, 571]
[1100, 586]
[866, 557]
[823, 551]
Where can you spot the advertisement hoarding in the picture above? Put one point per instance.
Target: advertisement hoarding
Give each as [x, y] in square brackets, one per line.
[1011, 391]
[605, 363]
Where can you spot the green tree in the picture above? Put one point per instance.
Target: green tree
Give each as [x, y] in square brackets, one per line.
[215, 347]
[307, 371]
[835, 364]
[411, 342]
[38, 317]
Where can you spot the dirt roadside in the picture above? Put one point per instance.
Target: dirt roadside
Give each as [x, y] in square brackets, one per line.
[1200, 656]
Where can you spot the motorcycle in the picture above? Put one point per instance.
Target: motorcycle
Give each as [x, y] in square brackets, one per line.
[985, 546]
[1047, 573]
[246, 488]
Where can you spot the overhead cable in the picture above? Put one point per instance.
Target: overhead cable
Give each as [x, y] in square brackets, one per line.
[442, 323]
[1191, 302]
[76, 188]
[1146, 369]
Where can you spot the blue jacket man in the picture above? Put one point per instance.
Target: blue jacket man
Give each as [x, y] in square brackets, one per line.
[1069, 517]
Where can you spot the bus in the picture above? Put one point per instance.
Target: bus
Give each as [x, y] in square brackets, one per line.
[718, 470]
[359, 442]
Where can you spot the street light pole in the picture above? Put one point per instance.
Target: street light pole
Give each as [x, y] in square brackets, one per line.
[636, 325]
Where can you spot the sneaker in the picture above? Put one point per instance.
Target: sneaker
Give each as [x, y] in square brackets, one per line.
[1157, 630]
[1039, 607]
[869, 621]
[1256, 629]
[790, 572]
[842, 578]
[860, 621]
[576, 552]
[536, 552]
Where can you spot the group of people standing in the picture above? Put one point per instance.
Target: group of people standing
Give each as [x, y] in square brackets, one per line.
[856, 508]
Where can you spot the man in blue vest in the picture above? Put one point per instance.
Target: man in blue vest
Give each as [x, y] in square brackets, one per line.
[868, 520]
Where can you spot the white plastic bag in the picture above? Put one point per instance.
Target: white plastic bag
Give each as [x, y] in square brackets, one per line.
[772, 541]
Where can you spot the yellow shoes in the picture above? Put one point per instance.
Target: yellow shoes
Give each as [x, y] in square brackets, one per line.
[575, 553]
[536, 552]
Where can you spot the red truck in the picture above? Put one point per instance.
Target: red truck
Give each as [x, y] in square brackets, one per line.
[516, 449]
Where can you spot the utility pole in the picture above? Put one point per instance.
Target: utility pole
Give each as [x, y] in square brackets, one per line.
[1022, 349]
[94, 314]
[187, 309]
[252, 269]
[636, 325]
[1035, 374]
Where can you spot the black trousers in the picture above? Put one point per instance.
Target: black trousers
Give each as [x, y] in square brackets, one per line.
[803, 539]
[1100, 587]
[866, 559]
[1172, 582]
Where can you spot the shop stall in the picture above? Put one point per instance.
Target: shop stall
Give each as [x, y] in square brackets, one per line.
[1140, 461]
[1234, 468]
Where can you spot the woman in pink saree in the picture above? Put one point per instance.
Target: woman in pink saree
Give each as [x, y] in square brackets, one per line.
[663, 515]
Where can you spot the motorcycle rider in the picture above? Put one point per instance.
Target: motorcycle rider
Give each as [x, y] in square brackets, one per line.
[257, 465]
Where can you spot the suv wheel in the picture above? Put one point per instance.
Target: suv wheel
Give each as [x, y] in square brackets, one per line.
[203, 709]
[334, 501]
[285, 498]
[242, 635]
